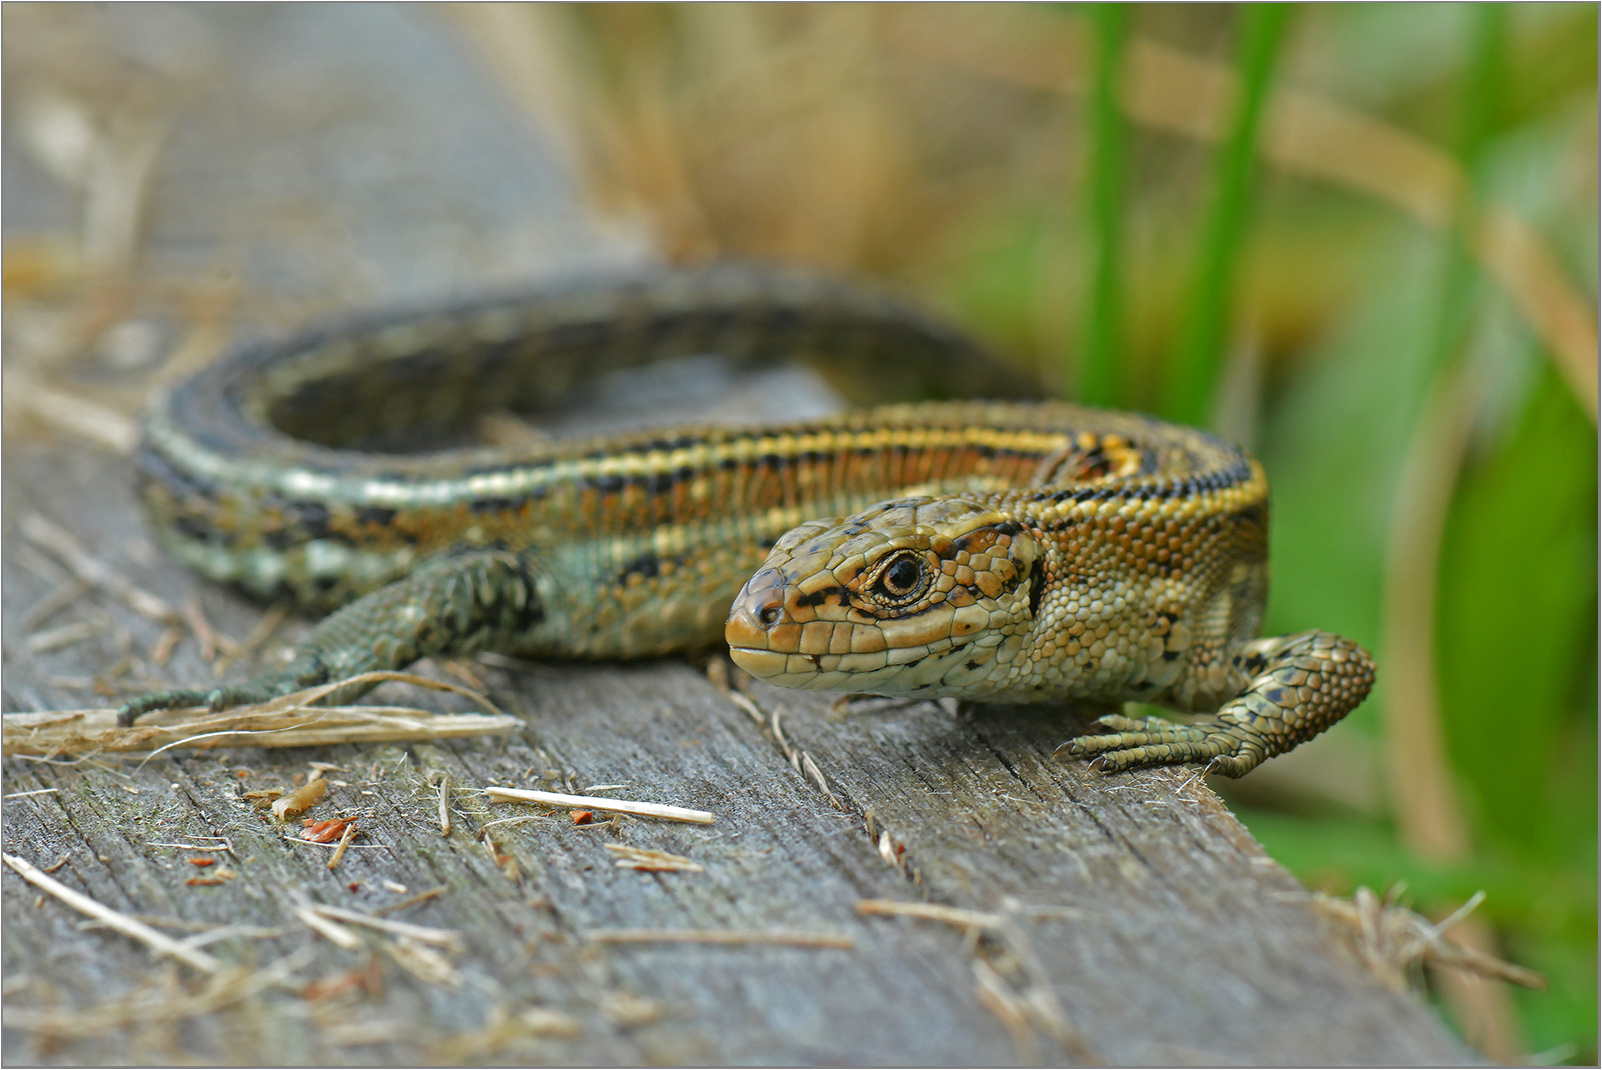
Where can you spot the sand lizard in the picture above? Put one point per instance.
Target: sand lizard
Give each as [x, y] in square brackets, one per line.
[994, 551]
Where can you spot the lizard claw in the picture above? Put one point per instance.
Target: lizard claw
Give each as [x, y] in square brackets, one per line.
[1152, 741]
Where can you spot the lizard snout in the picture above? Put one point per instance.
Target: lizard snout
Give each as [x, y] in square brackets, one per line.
[758, 609]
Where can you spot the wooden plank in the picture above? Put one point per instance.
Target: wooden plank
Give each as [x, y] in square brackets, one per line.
[1141, 923]
[1125, 919]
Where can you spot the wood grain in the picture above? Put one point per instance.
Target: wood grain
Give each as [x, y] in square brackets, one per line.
[1127, 919]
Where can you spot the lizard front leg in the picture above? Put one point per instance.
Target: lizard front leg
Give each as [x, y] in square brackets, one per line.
[1299, 685]
[456, 604]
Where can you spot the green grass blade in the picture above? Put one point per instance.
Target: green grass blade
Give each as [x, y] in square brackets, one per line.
[1100, 380]
[1192, 381]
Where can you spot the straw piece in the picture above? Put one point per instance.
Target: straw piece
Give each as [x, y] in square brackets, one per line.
[966, 919]
[162, 945]
[445, 805]
[422, 933]
[344, 844]
[69, 733]
[618, 806]
[65, 548]
[642, 858]
[328, 930]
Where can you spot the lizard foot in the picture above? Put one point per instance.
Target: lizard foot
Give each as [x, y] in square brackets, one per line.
[1128, 743]
[162, 700]
[1300, 685]
[216, 699]
[457, 604]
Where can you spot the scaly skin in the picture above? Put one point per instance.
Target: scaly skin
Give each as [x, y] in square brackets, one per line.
[1028, 597]
[1026, 552]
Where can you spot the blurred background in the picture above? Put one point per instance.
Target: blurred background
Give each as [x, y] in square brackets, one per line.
[1361, 240]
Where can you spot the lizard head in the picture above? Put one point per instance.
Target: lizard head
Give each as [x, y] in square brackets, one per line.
[925, 595]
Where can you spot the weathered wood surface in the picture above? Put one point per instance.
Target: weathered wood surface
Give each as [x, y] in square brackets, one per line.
[1133, 920]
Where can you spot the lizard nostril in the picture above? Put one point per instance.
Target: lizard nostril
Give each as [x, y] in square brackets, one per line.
[769, 615]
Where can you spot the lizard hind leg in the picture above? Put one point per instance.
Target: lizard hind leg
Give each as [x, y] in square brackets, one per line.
[1301, 684]
[456, 604]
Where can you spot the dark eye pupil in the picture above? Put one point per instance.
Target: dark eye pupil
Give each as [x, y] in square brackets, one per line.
[903, 575]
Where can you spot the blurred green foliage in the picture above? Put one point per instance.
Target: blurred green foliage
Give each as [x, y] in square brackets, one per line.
[1026, 168]
[1339, 404]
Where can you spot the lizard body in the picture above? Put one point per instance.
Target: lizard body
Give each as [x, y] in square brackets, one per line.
[996, 551]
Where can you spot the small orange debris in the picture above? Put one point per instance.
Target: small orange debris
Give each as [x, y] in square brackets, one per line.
[583, 817]
[324, 831]
[335, 984]
[201, 861]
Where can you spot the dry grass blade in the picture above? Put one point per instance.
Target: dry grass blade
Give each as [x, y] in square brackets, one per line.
[344, 845]
[965, 919]
[1167, 89]
[1388, 938]
[163, 945]
[1514, 253]
[74, 733]
[446, 938]
[424, 963]
[999, 998]
[211, 641]
[420, 897]
[751, 708]
[1429, 815]
[60, 544]
[66, 635]
[502, 1028]
[331, 931]
[188, 846]
[810, 770]
[651, 861]
[258, 635]
[618, 806]
[297, 841]
[161, 653]
[70, 413]
[444, 805]
[226, 988]
[289, 721]
[53, 603]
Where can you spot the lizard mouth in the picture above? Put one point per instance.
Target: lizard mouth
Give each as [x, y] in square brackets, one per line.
[760, 662]
[907, 671]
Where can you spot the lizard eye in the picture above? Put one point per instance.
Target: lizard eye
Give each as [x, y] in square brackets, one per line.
[902, 578]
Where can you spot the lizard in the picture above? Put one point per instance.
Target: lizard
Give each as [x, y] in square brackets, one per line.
[997, 551]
